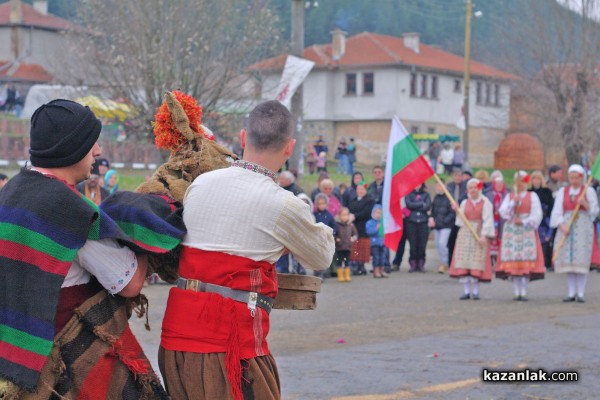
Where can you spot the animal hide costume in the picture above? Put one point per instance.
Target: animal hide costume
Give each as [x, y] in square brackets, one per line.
[193, 152]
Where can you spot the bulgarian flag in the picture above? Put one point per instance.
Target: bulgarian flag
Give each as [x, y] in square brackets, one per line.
[405, 169]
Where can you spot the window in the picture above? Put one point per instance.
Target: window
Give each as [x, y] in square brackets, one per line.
[430, 130]
[497, 95]
[478, 91]
[414, 129]
[488, 94]
[423, 85]
[368, 83]
[434, 87]
[350, 84]
[457, 86]
[413, 84]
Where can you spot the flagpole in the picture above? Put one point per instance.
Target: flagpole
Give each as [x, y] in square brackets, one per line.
[457, 207]
[573, 218]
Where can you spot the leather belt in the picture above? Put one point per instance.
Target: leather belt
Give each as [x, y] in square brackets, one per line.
[252, 299]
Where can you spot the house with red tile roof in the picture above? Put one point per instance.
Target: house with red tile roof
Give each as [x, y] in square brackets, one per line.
[359, 83]
[31, 42]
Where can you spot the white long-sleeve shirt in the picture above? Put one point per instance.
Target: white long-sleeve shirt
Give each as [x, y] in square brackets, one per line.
[558, 213]
[241, 212]
[487, 227]
[535, 216]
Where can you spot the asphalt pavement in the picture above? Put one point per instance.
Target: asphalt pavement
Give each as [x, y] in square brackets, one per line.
[410, 337]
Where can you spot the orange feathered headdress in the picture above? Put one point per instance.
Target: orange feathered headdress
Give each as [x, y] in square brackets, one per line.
[177, 120]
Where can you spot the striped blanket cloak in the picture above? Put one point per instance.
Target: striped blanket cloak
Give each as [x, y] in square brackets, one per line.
[43, 223]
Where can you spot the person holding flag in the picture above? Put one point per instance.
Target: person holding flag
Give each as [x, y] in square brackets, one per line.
[574, 211]
[406, 168]
[472, 262]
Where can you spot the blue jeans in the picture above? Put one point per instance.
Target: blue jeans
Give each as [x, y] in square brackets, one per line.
[342, 167]
[381, 256]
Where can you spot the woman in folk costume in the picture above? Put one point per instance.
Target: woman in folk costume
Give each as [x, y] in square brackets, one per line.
[471, 262]
[576, 253]
[521, 258]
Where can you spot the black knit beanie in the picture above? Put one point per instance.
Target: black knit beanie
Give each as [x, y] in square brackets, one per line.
[62, 133]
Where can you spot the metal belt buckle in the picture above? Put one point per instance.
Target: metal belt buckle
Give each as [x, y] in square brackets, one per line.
[192, 284]
[252, 303]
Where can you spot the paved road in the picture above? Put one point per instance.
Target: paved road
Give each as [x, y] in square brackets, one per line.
[392, 328]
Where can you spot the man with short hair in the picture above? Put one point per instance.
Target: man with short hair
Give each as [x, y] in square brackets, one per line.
[555, 179]
[240, 222]
[64, 274]
[375, 189]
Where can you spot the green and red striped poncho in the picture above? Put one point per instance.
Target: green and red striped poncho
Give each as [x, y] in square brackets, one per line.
[43, 223]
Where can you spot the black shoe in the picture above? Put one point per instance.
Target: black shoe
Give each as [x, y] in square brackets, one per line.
[580, 299]
[465, 297]
[516, 298]
[475, 297]
[568, 299]
[524, 298]
[395, 267]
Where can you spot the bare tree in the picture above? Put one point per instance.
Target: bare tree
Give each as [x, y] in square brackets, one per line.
[139, 48]
[561, 91]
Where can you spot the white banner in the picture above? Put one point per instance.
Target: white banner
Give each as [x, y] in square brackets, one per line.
[295, 71]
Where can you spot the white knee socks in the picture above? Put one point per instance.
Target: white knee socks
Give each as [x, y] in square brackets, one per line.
[475, 286]
[520, 286]
[571, 283]
[581, 280]
[471, 285]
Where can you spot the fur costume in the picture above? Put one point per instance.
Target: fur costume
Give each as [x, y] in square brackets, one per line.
[193, 151]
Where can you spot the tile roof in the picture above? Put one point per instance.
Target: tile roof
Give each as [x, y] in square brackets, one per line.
[372, 49]
[24, 72]
[32, 17]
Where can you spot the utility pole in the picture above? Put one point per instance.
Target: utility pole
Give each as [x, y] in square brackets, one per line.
[467, 77]
[297, 36]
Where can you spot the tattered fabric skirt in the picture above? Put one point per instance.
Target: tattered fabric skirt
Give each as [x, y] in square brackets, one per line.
[96, 356]
[203, 376]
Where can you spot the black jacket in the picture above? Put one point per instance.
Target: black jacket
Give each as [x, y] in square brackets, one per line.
[546, 199]
[294, 188]
[462, 191]
[442, 212]
[419, 203]
[362, 211]
[376, 191]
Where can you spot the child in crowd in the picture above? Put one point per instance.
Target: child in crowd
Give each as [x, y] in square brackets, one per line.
[322, 162]
[323, 215]
[311, 161]
[346, 235]
[111, 181]
[380, 253]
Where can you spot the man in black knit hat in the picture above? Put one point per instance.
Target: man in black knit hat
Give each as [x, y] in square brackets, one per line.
[62, 256]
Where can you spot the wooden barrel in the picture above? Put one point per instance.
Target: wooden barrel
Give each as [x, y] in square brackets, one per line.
[297, 292]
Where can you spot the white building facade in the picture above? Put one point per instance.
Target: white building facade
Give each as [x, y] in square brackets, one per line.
[381, 76]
